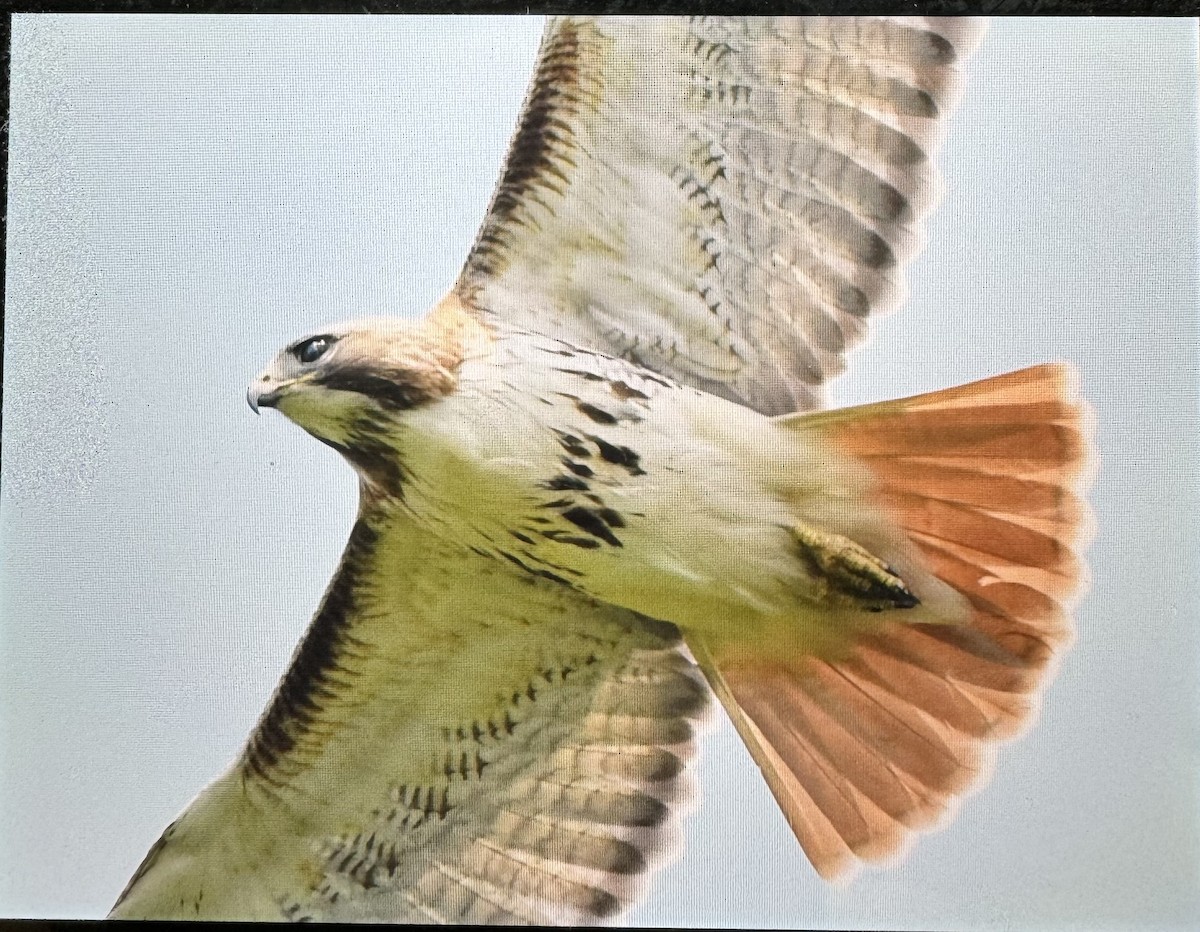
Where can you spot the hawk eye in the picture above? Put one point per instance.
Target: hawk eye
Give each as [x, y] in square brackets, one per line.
[312, 350]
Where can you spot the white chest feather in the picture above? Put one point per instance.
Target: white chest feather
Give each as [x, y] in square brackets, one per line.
[586, 470]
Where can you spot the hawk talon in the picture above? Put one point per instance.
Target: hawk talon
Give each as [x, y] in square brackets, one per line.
[851, 571]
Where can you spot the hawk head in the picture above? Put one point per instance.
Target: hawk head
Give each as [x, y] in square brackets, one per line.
[347, 384]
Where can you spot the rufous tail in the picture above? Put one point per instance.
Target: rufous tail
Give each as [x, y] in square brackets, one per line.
[864, 750]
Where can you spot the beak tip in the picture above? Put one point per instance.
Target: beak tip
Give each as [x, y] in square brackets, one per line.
[260, 395]
[254, 397]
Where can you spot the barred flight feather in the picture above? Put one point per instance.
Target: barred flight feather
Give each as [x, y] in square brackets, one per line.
[722, 200]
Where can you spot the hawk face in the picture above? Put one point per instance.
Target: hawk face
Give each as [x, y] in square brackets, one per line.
[350, 384]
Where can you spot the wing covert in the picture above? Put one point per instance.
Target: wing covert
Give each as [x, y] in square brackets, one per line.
[723, 200]
[452, 743]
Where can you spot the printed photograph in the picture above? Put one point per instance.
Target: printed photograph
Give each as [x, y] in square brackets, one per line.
[697, 472]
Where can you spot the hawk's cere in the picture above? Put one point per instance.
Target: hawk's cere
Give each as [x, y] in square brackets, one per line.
[592, 495]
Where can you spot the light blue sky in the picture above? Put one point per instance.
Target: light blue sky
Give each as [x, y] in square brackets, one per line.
[188, 193]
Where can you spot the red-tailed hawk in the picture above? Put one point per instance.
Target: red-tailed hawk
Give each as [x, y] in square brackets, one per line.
[593, 494]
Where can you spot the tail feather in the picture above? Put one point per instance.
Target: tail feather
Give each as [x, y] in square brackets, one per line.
[919, 747]
[1022, 499]
[999, 542]
[894, 793]
[846, 776]
[927, 689]
[821, 840]
[963, 655]
[864, 828]
[867, 747]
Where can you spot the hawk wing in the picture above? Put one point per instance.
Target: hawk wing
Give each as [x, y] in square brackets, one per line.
[726, 201]
[452, 742]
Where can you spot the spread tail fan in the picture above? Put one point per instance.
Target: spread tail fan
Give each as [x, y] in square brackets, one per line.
[864, 749]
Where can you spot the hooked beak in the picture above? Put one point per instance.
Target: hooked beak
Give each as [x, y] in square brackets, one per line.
[260, 395]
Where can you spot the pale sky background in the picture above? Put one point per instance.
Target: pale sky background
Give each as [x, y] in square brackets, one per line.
[186, 194]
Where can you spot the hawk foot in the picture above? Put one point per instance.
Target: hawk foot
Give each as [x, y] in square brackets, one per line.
[849, 572]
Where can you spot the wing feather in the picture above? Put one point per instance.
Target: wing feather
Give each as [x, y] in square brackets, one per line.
[453, 743]
[725, 200]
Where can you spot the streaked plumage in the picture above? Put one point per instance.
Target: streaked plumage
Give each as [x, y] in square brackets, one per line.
[590, 492]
